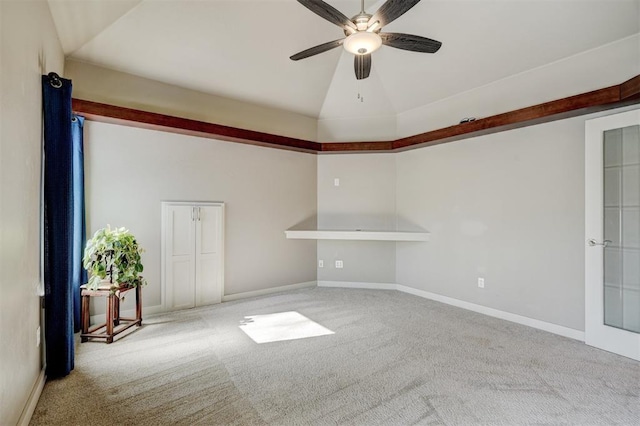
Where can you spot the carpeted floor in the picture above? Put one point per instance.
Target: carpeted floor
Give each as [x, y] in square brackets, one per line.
[393, 359]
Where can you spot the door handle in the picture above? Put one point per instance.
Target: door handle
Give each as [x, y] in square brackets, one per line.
[192, 209]
[198, 213]
[592, 242]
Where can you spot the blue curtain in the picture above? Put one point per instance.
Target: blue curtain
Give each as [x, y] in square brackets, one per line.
[78, 274]
[63, 222]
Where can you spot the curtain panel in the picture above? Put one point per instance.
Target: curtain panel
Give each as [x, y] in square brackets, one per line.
[63, 223]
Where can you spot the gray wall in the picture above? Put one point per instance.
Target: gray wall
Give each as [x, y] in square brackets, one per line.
[507, 207]
[129, 171]
[29, 48]
[364, 200]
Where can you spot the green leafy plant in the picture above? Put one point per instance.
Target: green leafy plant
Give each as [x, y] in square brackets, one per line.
[114, 255]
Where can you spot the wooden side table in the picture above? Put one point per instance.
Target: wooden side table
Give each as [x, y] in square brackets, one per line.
[112, 327]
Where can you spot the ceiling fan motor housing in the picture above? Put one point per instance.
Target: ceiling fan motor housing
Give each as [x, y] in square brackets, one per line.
[362, 21]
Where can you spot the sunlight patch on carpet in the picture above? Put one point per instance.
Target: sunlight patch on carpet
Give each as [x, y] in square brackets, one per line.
[281, 326]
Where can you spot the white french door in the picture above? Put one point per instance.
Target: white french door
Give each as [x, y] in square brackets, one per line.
[612, 233]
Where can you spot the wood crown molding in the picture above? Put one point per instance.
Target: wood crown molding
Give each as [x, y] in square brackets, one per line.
[150, 120]
[627, 93]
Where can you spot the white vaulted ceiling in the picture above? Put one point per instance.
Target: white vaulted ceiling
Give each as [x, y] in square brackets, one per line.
[240, 49]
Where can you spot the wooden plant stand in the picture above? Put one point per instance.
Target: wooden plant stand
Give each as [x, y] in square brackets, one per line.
[114, 324]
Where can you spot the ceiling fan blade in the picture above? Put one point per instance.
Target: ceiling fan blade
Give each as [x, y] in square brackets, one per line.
[410, 42]
[362, 65]
[391, 10]
[317, 49]
[328, 12]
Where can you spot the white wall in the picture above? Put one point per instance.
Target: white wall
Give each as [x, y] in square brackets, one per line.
[94, 83]
[364, 200]
[29, 48]
[129, 171]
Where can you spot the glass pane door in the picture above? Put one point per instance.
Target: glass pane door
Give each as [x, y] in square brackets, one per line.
[621, 197]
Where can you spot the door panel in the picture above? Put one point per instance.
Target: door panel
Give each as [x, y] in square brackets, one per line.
[210, 231]
[208, 255]
[182, 284]
[180, 231]
[612, 202]
[209, 292]
[179, 258]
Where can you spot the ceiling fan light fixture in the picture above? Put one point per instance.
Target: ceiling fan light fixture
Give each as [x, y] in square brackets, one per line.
[362, 43]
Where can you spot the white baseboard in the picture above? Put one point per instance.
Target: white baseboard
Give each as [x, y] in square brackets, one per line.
[30, 406]
[231, 297]
[350, 284]
[508, 316]
[129, 313]
[541, 325]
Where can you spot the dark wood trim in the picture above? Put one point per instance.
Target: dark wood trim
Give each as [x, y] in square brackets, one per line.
[627, 93]
[630, 89]
[149, 120]
[572, 106]
[385, 146]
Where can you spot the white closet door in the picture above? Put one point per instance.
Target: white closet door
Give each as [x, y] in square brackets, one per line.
[180, 259]
[208, 247]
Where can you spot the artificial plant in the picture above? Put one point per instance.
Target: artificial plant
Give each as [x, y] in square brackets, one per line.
[113, 255]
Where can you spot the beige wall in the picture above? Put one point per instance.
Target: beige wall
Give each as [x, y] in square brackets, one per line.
[29, 48]
[129, 171]
[99, 84]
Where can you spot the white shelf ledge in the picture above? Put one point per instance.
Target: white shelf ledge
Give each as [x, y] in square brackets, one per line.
[357, 235]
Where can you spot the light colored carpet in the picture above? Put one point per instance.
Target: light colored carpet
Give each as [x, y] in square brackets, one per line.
[394, 359]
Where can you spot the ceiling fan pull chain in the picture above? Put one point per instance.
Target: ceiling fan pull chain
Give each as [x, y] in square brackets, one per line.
[359, 90]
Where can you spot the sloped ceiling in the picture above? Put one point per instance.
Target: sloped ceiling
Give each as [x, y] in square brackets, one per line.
[240, 48]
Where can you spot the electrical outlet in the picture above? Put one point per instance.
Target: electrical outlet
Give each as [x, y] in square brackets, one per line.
[38, 337]
[336, 182]
[481, 282]
[320, 263]
[339, 264]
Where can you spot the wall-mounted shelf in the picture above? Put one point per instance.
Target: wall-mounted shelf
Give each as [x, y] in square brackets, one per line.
[359, 235]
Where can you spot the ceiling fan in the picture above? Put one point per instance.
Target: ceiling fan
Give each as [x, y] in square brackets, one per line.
[363, 35]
